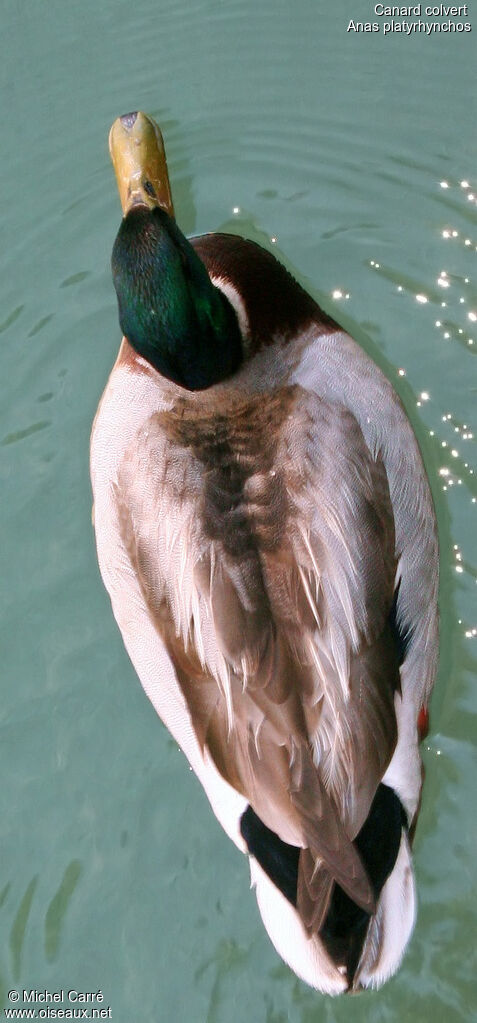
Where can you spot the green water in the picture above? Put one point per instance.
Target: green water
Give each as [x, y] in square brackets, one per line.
[113, 873]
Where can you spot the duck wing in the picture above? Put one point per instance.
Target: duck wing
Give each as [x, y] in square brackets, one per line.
[334, 368]
[263, 542]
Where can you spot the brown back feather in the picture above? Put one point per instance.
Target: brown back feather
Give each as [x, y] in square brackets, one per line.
[263, 537]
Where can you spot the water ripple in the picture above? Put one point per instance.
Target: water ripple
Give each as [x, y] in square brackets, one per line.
[13, 438]
[17, 933]
[11, 318]
[58, 907]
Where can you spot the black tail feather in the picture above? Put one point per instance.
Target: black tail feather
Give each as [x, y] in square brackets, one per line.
[344, 930]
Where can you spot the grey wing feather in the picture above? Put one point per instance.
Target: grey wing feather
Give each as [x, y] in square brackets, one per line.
[279, 637]
[334, 367]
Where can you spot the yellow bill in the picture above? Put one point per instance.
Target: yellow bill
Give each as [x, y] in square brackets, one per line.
[139, 160]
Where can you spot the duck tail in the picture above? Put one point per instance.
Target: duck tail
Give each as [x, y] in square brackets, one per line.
[329, 940]
[391, 927]
[310, 956]
[304, 954]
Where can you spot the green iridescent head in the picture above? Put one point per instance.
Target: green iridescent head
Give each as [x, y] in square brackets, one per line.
[169, 310]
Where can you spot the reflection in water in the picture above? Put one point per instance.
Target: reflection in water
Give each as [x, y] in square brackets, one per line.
[11, 318]
[17, 933]
[12, 438]
[39, 326]
[57, 909]
[4, 892]
[75, 279]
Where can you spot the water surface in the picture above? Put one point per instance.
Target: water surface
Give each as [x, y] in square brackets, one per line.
[354, 158]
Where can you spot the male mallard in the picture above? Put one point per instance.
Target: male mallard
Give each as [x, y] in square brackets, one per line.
[267, 537]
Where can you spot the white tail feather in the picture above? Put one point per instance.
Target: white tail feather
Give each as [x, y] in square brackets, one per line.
[306, 956]
[392, 926]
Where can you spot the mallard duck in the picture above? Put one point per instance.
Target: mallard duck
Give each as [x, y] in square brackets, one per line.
[266, 534]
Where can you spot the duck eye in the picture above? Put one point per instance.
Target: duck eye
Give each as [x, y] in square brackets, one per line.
[149, 188]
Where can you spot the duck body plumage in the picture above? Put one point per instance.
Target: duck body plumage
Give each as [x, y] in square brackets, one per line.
[269, 546]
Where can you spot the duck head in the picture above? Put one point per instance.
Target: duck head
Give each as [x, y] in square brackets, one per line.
[169, 310]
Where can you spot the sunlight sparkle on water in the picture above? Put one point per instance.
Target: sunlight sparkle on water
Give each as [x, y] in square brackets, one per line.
[449, 477]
